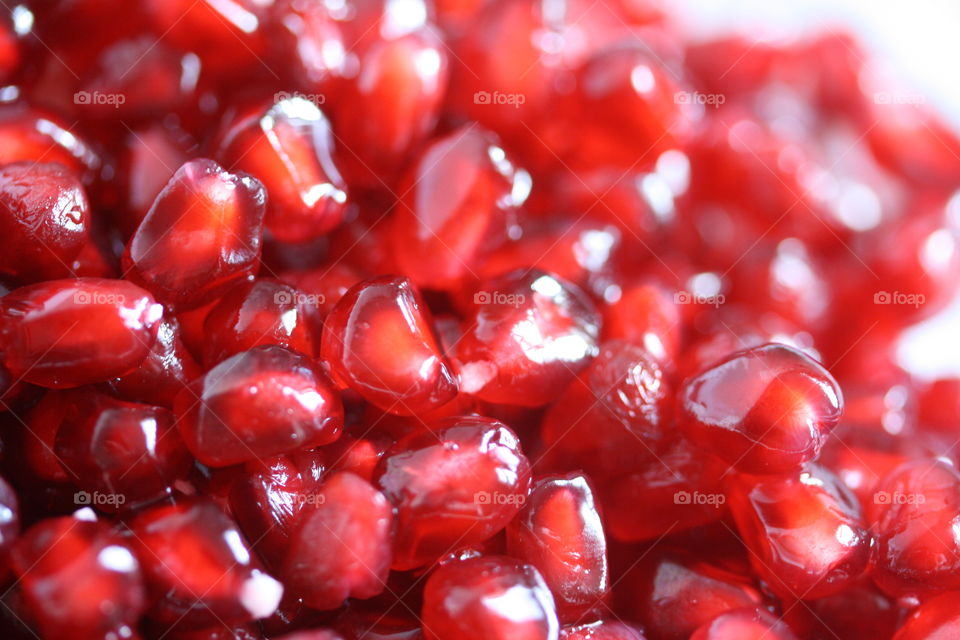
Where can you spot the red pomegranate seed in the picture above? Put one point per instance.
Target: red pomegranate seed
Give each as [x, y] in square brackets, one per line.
[913, 514]
[200, 237]
[268, 497]
[488, 597]
[150, 156]
[151, 77]
[677, 490]
[34, 135]
[226, 35]
[612, 417]
[604, 630]
[560, 533]
[257, 404]
[288, 146]
[198, 567]
[123, 454]
[805, 531]
[393, 99]
[744, 624]
[65, 564]
[341, 548]
[164, 373]
[378, 341]
[859, 611]
[457, 484]
[764, 410]
[528, 335]
[66, 333]
[44, 219]
[628, 86]
[935, 618]
[674, 595]
[646, 315]
[439, 236]
[261, 312]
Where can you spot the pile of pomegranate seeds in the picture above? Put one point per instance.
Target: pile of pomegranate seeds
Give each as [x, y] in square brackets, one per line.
[468, 320]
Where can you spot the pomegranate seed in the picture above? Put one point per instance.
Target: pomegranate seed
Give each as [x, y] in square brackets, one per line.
[805, 531]
[646, 315]
[200, 237]
[393, 100]
[33, 135]
[612, 417]
[149, 159]
[164, 373]
[529, 334]
[44, 219]
[288, 146]
[457, 484]
[199, 568]
[677, 490]
[64, 564]
[764, 410]
[262, 312]
[232, 32]
[378, 340]
[484, 597]
[438, 236]
[342, 547]
[605, 630]
[269, 496]
[257, 404]
[935, 618]
[152, 78]
[560, 533]
[66, 333]
[913, 513]
[744, 624]
[858, 611]
[626, 85]
[129, 453]
[674, 595]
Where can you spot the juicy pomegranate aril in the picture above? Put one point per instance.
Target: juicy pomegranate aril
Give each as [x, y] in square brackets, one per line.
[484, 597]
[455, 485]
[764, 410]
[257, 404]
[66, 333]
[200, 237]
[199, 568]
[378, 341]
